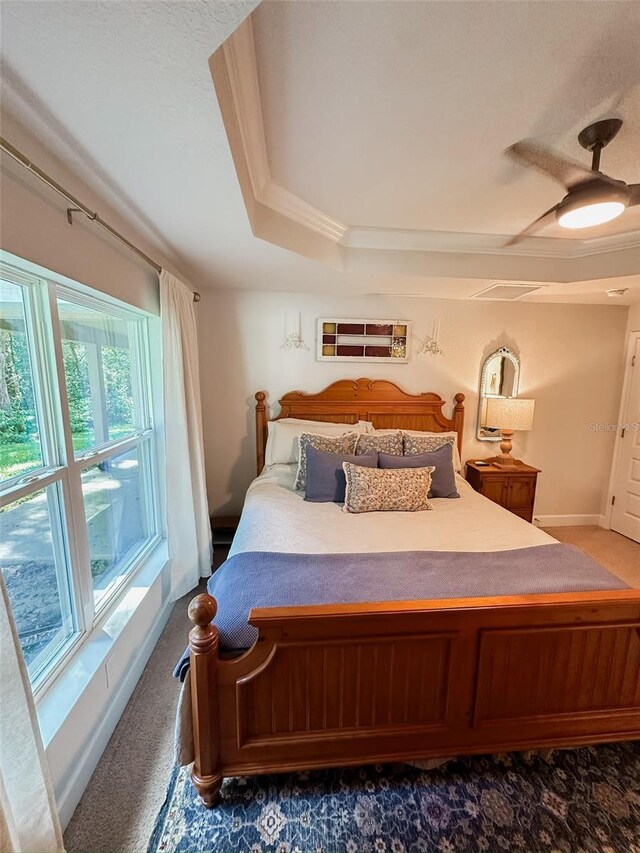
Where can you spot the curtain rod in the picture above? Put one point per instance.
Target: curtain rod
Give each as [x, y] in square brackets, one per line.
[78, 206]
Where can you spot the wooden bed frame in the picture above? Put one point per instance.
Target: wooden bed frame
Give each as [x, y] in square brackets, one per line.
[342, 684]
[351, 400]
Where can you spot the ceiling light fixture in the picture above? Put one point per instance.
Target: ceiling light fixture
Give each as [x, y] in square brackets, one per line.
[591, 214]
[592, 203]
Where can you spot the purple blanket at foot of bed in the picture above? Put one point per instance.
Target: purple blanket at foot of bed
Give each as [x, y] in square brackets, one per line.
[265, 579]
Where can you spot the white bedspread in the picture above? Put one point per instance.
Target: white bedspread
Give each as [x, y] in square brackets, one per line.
[276, 518]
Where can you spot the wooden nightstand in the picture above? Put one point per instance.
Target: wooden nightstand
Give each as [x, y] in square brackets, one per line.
[223, 528]
[515, 489]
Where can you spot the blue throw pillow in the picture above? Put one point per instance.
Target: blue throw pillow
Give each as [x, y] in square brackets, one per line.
[443, 479]
[325, 476]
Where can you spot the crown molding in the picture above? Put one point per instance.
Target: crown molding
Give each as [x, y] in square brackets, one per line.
[283, 218]
[408, 240]
[239, 53]
[240, 56]
[292, 206]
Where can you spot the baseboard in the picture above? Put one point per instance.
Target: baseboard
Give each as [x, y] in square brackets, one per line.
[568, 520]
[68, 799]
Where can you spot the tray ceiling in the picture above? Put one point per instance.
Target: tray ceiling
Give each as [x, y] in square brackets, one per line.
[375, 142]
[398, 118]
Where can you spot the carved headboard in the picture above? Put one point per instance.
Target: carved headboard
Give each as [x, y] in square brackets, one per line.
[351, 400]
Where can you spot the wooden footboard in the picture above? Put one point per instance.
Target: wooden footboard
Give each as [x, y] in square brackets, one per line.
[354, 684]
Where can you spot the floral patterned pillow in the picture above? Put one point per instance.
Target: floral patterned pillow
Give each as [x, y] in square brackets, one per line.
[415, 445]
[389, 443]
[386, 489]
[345, 444]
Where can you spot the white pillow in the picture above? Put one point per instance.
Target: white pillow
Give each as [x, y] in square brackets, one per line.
[457, 462]
[283, 445]
[353, 427]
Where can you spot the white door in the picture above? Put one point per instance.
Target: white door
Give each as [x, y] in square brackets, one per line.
[625, 516]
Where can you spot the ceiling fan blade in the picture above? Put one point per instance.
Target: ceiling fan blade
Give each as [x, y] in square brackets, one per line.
[546, 219]
[566, 172]
[635, 195]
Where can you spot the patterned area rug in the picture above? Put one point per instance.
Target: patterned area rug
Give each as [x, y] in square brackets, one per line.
[574, 801]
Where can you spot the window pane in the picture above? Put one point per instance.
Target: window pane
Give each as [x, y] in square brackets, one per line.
[115, 508]
[99, 354]
[34, 564]
[20, 447]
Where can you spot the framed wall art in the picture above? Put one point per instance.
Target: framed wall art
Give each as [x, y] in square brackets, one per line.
[363, 340]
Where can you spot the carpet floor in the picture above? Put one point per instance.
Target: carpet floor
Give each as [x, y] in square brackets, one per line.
[119, 806]
[613, 551]
[118, 810]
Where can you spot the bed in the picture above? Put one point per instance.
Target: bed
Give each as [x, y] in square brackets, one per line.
[452, 670]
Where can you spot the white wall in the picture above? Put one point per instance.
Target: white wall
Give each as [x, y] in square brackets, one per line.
[571, 363]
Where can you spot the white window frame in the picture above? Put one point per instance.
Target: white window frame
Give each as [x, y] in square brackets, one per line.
[63, 468]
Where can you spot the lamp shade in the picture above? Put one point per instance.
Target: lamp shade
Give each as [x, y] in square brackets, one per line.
[510, 413]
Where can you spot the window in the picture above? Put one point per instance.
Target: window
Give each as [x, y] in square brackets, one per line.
[22, 451]
[78, 496]
[101, 370]
[118, 519]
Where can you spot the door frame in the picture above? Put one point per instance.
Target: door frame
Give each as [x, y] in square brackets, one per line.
[634, 337]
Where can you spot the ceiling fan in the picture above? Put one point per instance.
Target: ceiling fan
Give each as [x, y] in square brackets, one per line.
[592, 197]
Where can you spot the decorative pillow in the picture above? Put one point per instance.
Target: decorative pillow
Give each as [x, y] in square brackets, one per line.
[443, 479]
[372, 443]
[325, 476]
[331, 444]
[441, 438]
[379, 490]
[283, 437]
[415, 445]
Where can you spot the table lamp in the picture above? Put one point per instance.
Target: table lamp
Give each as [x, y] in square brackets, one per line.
[508, 414]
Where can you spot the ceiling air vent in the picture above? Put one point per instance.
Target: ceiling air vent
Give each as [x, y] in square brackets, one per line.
[506, 291]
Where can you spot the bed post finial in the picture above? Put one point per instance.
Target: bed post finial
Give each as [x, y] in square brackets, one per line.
[261, 429]
[202, 610]
[458, 418]
[203, 657]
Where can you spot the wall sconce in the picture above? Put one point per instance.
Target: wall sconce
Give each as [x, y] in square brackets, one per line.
[431, 344]
[294, 340]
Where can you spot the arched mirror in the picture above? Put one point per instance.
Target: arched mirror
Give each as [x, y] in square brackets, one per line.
[499, 378]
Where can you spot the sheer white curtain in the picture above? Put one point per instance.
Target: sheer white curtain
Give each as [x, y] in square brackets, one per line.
[188, 526]
[28, 817]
